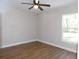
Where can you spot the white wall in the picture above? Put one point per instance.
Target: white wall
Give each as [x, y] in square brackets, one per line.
[21, 26]
[50, 26]
[0, 31]
[18, 26]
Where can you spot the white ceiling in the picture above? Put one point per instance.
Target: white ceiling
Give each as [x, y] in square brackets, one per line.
[53, 3]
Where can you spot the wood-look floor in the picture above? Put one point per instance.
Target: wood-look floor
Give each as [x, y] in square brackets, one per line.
[35, 50]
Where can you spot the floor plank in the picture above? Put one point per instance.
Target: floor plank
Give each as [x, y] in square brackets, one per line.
[36, 50]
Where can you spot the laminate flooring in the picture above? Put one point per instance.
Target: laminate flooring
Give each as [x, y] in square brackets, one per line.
[36, 50]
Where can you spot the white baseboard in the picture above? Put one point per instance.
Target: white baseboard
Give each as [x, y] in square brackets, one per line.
[15, 44]
[52, 44]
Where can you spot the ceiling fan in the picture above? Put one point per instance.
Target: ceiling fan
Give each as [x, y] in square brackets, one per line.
[36, 4]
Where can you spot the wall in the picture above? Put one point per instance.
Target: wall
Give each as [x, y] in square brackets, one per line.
[50, 27]
[18, 26]
[0, 32]
[22, 26]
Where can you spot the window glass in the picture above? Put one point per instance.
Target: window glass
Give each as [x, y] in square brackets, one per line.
[70, 27]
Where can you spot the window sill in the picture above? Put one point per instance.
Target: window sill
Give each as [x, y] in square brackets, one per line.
[71, 40]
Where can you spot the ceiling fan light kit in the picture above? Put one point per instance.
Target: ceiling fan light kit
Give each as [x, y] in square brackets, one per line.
[36, 4]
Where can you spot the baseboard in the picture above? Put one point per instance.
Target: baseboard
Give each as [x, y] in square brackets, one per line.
[19, 43]
[15, 44]
[65, 48]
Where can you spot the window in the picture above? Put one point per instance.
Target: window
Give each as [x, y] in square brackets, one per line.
[70, 27]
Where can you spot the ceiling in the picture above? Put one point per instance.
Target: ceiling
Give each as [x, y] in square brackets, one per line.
[17, 3]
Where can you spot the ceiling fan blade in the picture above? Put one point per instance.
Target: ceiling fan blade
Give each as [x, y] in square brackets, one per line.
[27, 3]
[31, 7]
[47, 5]
[40, 8]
